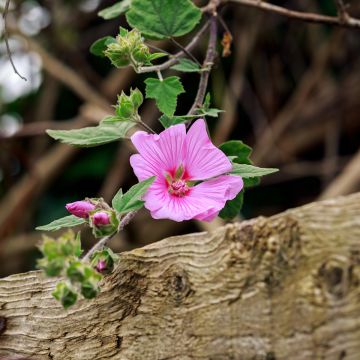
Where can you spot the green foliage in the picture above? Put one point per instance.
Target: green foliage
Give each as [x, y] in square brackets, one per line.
[61, 257]
[238, 150]
[93, 136]
[250, 171]
[165, 93]
[65, 294]
[65, 222]
[115, 10]
[232, 207]
[99, 46]
[186, 65]
[127, 106]
[131, 200]
[161, 19]
[206, 110]
[167, 121]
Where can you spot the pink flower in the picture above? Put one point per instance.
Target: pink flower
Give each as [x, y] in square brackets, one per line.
[80, 208]
[178, 160]
[101, 218]
[101, 266]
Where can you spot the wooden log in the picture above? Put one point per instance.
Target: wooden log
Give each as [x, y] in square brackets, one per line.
[284, 287]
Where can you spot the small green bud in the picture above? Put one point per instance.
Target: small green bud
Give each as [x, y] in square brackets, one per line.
[75, 272]
[51, 267]
[103, 261]
[136, 98]
[118, 55]
[65, 294]
[124, 107]
[141, 54]
[89, 290]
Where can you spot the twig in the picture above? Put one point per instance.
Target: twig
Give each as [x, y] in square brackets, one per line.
[6, 39]
[208, 63]
[188, 53]
[341, 9]
[175, 57]
[309, 17]
[102, 242]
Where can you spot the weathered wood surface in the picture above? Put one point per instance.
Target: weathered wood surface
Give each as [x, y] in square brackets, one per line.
[285, 287]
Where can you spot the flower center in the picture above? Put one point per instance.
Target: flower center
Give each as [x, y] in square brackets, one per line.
[178, 188]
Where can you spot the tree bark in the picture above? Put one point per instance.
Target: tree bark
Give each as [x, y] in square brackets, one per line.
[284, 287]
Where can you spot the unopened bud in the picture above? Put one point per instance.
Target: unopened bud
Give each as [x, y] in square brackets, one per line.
[101, 218]
[80, 208]
[101, 266]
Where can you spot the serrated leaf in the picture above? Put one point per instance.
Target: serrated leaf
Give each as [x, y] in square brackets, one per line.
[186, 65]
[131, 200]
[65, 222]
[161, 19]
[92, 136]
[100, 45]
[250, 171]
[238, 150]
[232, 207]
[115, 10]
[165, 93]
[116, 201]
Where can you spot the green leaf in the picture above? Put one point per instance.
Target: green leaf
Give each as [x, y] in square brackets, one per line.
[232, 207]
[250, 171]
[100, 45]
[116, 201]
[238, 150]
[165, 93]
[186, 65]
[161, 19]
[131, 200]
[157, 55]
[92, 136]
[65, 222]
[167, 121]
[115, 10]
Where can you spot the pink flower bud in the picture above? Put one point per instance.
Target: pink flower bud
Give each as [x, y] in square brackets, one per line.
[80, 208]
[101, 266]
[101, 218]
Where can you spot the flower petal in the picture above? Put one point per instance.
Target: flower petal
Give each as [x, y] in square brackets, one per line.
[203, 202]
[163, 152]
[203, 159]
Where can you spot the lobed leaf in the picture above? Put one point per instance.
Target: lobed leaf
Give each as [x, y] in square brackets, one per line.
[165, 93]
[232, 207]
[100, 45]
[161, 19]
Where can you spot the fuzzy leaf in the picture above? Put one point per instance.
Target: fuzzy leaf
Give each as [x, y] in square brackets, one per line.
[186, 65]
[161, 19]
[238, 150]
[116, 201]
[165, 93]
[131, 200]
[65, 222]
[250, 171]
[92, 136]
[115, 10]
[100, 45]
[156, 55]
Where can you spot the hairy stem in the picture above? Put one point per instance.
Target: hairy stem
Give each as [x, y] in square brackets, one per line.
[103, 241]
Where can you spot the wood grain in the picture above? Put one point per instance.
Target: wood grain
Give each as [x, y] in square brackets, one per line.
[284, 287]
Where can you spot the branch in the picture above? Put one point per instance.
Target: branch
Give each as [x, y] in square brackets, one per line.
[6, 39]
[207, 66]
[175, 57]
[348, 21]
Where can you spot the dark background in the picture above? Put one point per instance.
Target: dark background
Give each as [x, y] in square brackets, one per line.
[291, 90]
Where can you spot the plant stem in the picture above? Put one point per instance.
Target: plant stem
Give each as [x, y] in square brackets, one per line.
[103, 241]
[188, 53]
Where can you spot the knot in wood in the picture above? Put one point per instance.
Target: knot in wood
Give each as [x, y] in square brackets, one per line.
[335, 274]
[178, 285]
